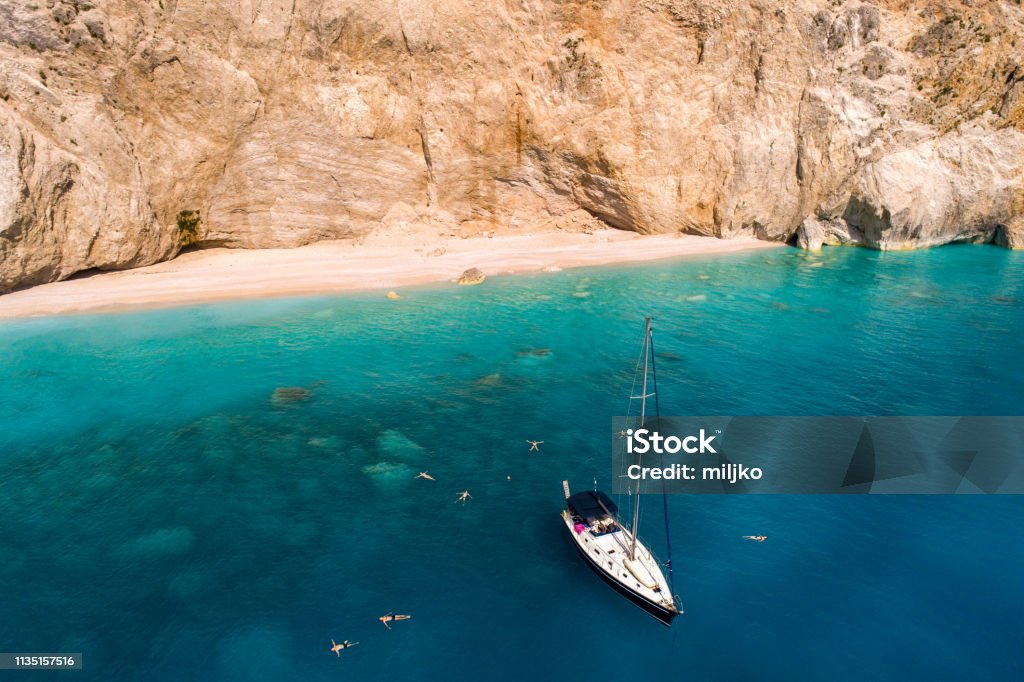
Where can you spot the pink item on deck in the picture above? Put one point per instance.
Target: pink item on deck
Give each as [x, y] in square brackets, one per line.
[579, 528]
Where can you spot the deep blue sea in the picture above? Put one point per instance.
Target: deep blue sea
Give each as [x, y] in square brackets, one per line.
[164, 514]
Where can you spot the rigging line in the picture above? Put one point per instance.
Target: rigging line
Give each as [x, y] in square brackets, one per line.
[629, 405]
[636, 373]
[629, 413]
[661, 463]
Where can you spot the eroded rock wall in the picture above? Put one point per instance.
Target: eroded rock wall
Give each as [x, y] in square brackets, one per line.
[891, 124]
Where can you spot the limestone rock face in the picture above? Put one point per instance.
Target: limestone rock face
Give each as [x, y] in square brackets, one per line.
[1011, 235]
[63, 210]
[888, 124]
[290, 184]
[960, 187]
[812, 234]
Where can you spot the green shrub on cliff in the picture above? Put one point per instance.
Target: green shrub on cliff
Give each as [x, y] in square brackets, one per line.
[189, 223]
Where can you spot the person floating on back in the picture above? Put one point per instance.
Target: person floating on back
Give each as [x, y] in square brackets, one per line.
[336, 648]
[756, 538]
[391, 618]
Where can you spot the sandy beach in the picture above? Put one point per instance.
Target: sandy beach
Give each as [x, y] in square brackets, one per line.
[325, 267]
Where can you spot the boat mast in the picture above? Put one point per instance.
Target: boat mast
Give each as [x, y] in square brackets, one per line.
[643, 412]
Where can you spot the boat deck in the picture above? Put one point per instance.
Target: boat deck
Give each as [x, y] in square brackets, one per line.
[609, 552]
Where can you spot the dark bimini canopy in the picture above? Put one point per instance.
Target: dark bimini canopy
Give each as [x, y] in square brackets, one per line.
[588, 504]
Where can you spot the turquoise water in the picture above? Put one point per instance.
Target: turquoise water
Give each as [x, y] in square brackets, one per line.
[163, 514]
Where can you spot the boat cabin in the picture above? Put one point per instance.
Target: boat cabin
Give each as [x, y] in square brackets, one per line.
[593, 511]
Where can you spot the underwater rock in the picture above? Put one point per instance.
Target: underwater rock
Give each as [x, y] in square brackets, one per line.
[287, 395]
[166, 542]
[323, 314]
[532, 356]
[489, 380]
[534, 352]
[394, 443]
[256, 653]
[388, 471]
[187, 584]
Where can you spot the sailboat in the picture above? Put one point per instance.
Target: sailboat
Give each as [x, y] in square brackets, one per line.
[612, 548]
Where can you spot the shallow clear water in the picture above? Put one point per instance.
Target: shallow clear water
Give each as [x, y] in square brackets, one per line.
[162, 514]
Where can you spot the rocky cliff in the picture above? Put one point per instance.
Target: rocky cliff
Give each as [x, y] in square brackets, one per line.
[131, 128]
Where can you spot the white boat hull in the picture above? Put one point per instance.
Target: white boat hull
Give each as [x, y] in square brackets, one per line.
[639, 579]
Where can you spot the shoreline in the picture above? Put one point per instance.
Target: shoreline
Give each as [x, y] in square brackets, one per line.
[383, 263]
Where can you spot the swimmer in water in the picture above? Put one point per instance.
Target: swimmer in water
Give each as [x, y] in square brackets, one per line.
[336, 648]
[756, 538]
[391, 618]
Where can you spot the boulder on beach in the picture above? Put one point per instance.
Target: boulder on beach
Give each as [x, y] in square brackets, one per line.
[472, 276]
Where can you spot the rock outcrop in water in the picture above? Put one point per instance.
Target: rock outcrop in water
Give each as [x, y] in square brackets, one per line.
[471, 276]
[269, 123]
[288, 395]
